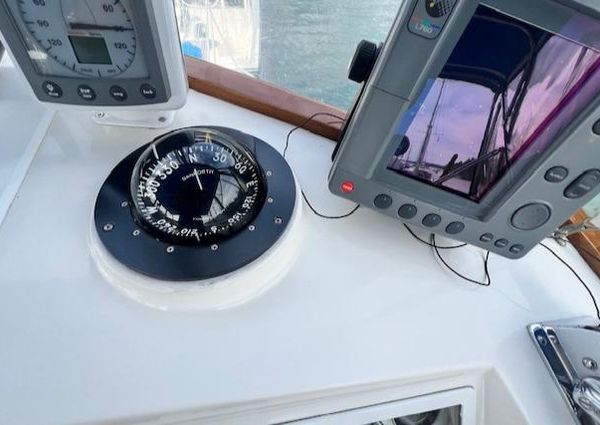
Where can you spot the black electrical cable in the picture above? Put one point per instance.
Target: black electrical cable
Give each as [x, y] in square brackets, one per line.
[585, 285]
[285, 149]
[437, 249]
[414, 235]
[488, 278]
[328, 217]
[433, 244]
[304, 123]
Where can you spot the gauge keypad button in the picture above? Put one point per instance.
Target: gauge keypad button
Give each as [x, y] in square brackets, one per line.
[52, 89]
[431, 220]
[583, 184]
[118, 93]
[455, 228]
[407, 211]
[148, 91]
[86, 92]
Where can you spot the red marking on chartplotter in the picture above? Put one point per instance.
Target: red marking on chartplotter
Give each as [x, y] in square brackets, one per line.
[347, 187]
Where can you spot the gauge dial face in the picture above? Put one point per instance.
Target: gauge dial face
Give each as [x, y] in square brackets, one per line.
[95, 38]
[197, 186]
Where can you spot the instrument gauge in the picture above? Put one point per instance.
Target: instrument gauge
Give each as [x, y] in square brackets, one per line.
[95, 38]
[196, 186]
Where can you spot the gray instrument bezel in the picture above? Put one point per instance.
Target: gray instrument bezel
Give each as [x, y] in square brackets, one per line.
[405, 64]
[146, 30]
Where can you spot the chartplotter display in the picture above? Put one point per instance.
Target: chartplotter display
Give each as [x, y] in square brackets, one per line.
[472, 124]
[479, 121]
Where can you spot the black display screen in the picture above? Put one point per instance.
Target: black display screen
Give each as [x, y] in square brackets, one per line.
[90, 50]
[507, 91]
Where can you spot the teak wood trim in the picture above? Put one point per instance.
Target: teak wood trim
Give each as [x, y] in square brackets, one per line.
[586, 243]
[262, 97]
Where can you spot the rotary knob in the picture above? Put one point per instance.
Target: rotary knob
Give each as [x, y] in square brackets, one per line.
[363, 61]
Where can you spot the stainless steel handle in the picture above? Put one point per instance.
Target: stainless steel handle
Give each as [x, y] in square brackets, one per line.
[571, 351]
[587, 396]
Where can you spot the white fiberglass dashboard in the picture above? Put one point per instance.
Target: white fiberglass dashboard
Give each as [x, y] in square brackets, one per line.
[20, 110]
[363, 316]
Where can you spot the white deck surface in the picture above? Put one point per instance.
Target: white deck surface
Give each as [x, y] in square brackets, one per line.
[365, 315]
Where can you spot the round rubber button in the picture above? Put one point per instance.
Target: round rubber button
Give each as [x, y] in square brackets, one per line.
[455, 228]
[431, 220]
[516, 249]
[118, 93]
[556, 174]
[438, 8]
[486, 237]
[86, 92]
[583, 184]
[147, 91]
[596, 127]
[501, 243]
[531, 216]
[382, 201]
[407, 211]
[52, 89]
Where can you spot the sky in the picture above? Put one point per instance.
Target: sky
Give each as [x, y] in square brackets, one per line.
[464, 107]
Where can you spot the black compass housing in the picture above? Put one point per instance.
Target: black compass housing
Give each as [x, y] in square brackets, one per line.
[195, 203]
[196, 186]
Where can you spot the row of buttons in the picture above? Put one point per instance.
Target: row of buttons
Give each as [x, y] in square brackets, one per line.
[87, 93]
[409, 211]
[535, 215]
[580, 187]
[501, 243]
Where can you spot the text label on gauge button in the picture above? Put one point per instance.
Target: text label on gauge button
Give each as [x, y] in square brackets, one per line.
[118, 93]
[52, 89]
[147, 91]
[86, 92]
